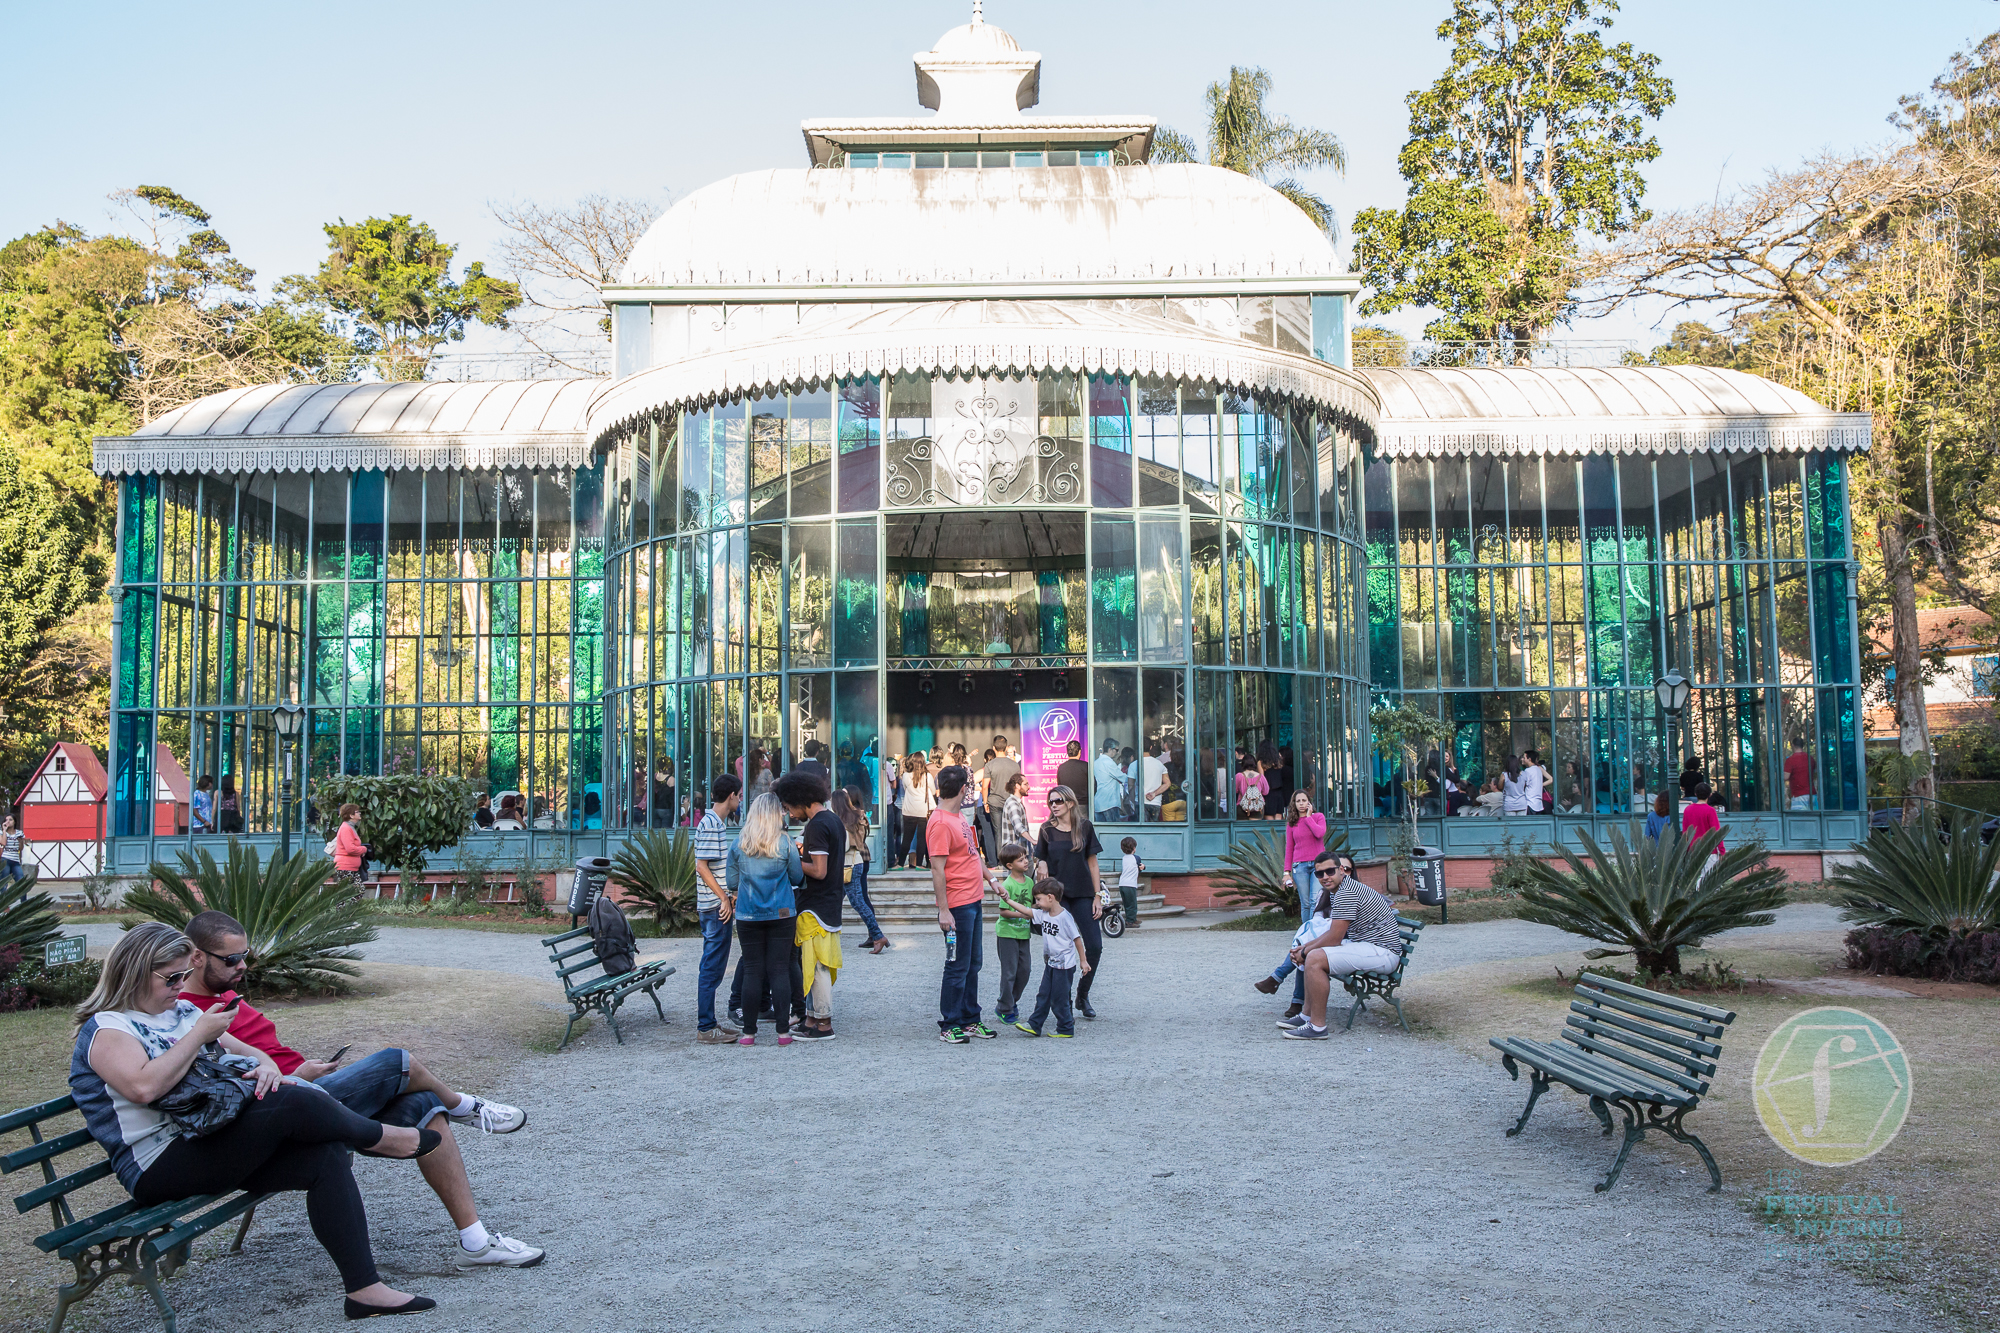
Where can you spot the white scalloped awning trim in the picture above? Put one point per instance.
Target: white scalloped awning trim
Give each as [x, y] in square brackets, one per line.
[128, 454]
[1839, 433]
[699, 381]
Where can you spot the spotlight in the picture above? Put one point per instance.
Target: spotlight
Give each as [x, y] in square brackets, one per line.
[1061, 682]
[925, 684]
[966, 685]
[1017, 685]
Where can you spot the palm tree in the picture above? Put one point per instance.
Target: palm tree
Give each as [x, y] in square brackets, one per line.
[1245, 137]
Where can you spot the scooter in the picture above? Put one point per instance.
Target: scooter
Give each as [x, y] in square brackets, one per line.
[1112, 921]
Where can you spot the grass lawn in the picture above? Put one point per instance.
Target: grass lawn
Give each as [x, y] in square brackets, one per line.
[1939, 1168]
[471, 1026]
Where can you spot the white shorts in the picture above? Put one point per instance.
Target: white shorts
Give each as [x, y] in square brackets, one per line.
[1802, 802]
[1351, 956]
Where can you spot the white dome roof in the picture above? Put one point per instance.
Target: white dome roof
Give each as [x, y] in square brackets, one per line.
[1022, 224]
[975, 41]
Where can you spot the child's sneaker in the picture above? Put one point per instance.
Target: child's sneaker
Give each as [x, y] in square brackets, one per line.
[1033, 1032]
[1066, 1036]
[954, 1036]
[981, 1031]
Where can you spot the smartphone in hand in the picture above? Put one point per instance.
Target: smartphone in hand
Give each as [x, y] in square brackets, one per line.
[334, 1059]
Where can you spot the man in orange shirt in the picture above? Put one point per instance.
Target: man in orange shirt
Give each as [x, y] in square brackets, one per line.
[958, 877]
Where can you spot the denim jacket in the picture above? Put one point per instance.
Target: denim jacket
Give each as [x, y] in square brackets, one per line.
[762, 885]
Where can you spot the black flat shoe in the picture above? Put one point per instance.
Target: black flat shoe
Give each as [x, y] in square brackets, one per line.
[414, 1305]
[1087, 1011]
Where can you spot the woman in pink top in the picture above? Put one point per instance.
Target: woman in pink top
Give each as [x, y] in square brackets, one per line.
[1305, 843]
[1251, 779]
[350, 854]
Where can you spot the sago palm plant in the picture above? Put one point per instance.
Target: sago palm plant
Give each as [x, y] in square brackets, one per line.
[303, 930]
[1911, 879]
[657, 868]
[1653, 901]
[27, 918]
[1254, 870]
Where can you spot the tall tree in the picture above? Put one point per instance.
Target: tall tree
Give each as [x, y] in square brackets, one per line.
[392, 277]
[562, 258]
[1245, 136]
[1857, 280]
[1532, 139]
[202, 330]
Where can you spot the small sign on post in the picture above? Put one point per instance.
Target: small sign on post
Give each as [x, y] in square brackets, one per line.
[67, 949]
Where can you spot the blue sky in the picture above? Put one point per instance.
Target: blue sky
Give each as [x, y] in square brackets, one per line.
[278, 117]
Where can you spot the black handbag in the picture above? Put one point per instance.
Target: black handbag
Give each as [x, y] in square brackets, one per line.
[210, 1095]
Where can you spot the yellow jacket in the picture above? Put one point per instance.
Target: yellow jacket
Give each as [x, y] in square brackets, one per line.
[818, 947]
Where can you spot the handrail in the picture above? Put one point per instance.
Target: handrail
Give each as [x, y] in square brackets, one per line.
[1893, 802]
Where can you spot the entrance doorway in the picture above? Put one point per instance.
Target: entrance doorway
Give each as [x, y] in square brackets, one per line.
[936, 709]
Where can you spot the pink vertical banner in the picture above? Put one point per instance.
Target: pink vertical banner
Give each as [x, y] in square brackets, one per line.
[1047, 728]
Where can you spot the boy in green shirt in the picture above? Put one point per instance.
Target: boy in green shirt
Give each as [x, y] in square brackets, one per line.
[1012, 929]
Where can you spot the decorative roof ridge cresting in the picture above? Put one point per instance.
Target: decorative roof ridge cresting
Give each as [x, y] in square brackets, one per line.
[1842, 433]
[128, 454]
[626, 404]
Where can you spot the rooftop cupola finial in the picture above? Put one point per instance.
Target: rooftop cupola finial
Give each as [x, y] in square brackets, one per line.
[977, 72]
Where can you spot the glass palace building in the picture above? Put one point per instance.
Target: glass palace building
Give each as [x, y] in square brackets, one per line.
[980, 408]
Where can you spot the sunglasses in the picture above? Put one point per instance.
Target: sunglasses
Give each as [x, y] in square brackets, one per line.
[231, 959]
[1057, 800]
[175, 979]
[1331, 871]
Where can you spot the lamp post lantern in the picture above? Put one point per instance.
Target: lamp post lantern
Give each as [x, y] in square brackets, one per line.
[289, 720]
[1672, 692]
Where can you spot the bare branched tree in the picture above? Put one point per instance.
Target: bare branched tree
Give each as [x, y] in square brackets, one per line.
[1854, 277]
[563, 258]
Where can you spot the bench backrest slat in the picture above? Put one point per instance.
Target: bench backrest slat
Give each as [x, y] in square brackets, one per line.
[62, 1185]
[1598, 981]
[1625, 1055]
[1612, 1019]
[41, 1152]
[553, 940]
[28, 1115]
[1694, 1064]
[1699, 1027]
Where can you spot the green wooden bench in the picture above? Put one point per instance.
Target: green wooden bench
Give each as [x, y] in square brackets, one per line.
[601, 993]
[144, 1244]
[1648, 1054]
[1382, 985]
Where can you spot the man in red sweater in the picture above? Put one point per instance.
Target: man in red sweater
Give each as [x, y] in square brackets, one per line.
[390, 1086]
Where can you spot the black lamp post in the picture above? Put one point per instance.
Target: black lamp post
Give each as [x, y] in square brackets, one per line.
[1672, 692]
[290, 721]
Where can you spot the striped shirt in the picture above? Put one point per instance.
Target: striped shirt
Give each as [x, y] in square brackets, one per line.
[711, 844]
[1372, 920]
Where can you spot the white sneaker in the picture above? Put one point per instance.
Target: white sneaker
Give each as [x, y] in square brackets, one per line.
[493, 1117]
[500, 1252]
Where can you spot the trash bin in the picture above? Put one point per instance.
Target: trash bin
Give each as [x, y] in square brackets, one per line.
[1427, 872]
[591, 872]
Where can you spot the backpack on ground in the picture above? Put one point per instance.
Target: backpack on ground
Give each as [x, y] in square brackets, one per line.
[611, 937]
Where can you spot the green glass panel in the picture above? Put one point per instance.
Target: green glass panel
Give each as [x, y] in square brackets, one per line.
[1114, 589]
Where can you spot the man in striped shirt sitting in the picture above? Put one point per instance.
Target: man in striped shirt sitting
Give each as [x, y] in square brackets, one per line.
[1353, 930]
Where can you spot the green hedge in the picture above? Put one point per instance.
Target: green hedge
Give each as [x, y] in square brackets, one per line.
[1973, 795]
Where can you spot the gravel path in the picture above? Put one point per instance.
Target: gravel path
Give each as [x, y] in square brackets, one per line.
[1177, 1166]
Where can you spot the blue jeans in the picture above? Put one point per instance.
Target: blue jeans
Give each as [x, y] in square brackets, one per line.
[1055, 996]
[1307, 884]
[375, 1088]
[857, 893]
[714, 962]
[958, 998]
[12, 870]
